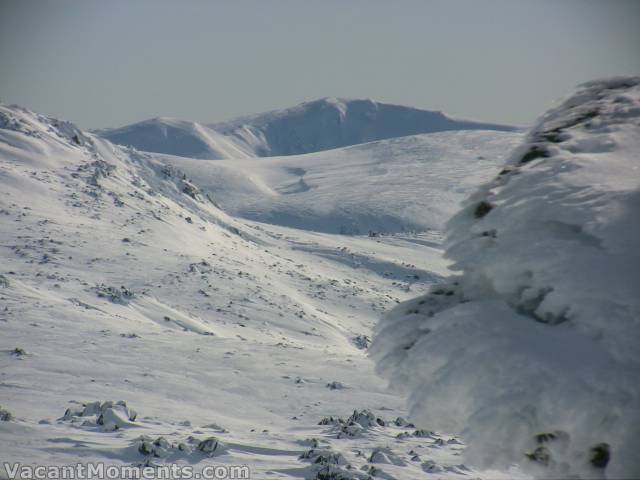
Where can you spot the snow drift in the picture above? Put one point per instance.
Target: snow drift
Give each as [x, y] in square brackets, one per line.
[309, 127]
[531, 351]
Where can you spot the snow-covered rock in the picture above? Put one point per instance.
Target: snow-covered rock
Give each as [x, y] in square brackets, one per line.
[108, 416]
[531, 350]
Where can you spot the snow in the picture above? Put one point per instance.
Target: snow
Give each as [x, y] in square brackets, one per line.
[176, 137]
[530, 349]
[157, 307]
[412, 183]
[314, 126]
[122, 282]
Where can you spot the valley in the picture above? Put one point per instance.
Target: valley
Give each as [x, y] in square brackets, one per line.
[123, 280]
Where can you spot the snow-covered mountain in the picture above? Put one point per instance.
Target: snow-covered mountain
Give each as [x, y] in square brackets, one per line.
[335, 122]
[309, 127]
[159, 309]
[531, 350]
[142, 325]
[177, 137]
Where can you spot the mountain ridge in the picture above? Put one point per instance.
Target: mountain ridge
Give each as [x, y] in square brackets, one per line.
[308, 127]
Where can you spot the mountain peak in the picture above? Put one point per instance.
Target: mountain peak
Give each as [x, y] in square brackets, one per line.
[322, 124]
[333, 122]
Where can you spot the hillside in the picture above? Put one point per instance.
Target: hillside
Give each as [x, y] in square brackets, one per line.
[314, 126]
[530, 350]
[142, 325]
[405, 184]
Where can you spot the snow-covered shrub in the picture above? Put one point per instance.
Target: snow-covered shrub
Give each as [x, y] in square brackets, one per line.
[531, 350]
[335, 385]
[120, 295]
[18, 352]
[5, 415]
[100, 169]
[67, 131]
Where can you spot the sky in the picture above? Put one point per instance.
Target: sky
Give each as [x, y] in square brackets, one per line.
[110, 63]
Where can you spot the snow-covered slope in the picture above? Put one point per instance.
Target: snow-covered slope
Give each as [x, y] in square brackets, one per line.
[235, 342]
[309, 127]
[531, 352]
[412, 183]
[176, 137]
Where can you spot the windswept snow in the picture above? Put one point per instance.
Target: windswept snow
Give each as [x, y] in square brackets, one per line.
[404, 184]
[142, 325]
[531, 351]
[314, 126]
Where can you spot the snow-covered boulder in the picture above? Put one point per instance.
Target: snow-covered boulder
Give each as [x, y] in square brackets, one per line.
[354, 426]
[211, 446]
[108, 416]
[531, 350]
[386, 455]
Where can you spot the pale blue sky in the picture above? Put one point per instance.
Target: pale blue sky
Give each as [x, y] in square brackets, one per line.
[108, 63]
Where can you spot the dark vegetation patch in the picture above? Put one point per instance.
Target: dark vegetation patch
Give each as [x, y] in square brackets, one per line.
[482, 209]
[600, 455]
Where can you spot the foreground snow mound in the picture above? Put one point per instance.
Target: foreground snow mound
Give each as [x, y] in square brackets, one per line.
[531, 351]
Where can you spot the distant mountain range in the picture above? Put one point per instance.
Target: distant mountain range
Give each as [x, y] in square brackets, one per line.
[314, 126]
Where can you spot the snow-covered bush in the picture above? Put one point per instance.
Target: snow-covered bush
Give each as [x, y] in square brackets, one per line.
[531, 350]
[5, 415]
[120, 295]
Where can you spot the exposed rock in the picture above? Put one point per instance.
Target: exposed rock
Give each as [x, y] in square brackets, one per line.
[120, 295]
[108, 415]
[361, 341]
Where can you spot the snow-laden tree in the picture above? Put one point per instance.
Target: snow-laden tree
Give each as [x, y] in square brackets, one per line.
[531, 350]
